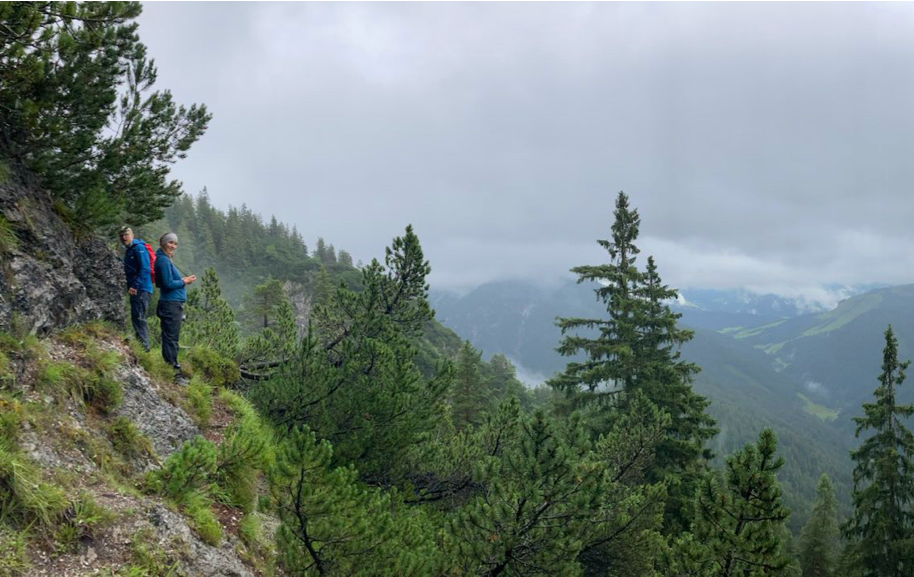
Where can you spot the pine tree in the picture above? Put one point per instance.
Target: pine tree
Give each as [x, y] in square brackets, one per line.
[537, 505]
[78, 111]
[354, 380]
[504, 382]
[331, 525]
[469, 396]
[820, 537]
[883, 495]
[740, 519]
[261, 304]
[637, 348]
[666, 379]
[210, 320]
[610, 366]
[345, 258]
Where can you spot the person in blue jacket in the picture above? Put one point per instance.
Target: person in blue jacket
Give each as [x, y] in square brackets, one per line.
[170, 309]
[139, 283]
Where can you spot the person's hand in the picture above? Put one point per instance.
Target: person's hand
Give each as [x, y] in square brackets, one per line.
[132, 291]
[189, 279]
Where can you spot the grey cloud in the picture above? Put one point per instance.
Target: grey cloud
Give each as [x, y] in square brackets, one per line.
[764, 144]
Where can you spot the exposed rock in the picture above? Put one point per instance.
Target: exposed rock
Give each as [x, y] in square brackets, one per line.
[301, 304]
[199, 559]
[52, 278]
[167, 426]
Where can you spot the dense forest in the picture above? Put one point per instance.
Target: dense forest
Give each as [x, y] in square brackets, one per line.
[379, 442]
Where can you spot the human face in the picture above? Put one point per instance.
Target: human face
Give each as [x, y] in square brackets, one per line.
[127, 238]
[170, 247]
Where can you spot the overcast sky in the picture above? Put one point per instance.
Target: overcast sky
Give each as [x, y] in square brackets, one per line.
[768, 146]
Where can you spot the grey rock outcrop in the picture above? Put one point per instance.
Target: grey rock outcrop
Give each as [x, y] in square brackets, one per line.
[52, 278]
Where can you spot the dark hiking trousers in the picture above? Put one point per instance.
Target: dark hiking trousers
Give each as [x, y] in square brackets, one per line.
[139, 303]
[170, 313]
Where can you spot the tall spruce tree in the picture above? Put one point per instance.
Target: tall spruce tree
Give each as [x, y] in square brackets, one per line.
[610, 364]
[637, 348]
[819, 540]
[883, 496]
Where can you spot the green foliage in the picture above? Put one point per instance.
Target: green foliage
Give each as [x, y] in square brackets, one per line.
[210, 320]
[819, 540]
[96, 389]
[81, 520]
[279, 341]
[353, 379]
[24, 497]
[127, 438]
[71, 73]
[636, 347]
[555, 503]
[245, 452]
[209, 365]
[739, 529]
[469, 395]
[330, 525]
[200, 401]
[185, 471]
[883, 496]
[260, 306]
[8, 239]
[197, 506]
[14, 559]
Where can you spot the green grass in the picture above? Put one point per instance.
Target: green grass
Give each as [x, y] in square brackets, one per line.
[728, 330]
[820, 411]
[148, 559]
[844, 314]
[97, 389]
[25, 498]
[771, 349]
[197, 506]
[8, 239]
[14, 559]
[127, 439]
[153, 363]
[199, 401]
[82, 519]
[746, 333]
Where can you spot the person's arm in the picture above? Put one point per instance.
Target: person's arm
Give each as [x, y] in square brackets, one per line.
[171, 280]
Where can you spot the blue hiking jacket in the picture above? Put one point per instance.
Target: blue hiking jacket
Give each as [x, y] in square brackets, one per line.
[136, 267]
[168, 279]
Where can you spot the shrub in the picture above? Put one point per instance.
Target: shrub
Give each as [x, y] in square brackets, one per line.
[127, 439]
[186, 470]
[245, 452]
[219, 371]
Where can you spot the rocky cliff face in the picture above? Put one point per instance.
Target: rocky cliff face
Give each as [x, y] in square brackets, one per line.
[48, 277]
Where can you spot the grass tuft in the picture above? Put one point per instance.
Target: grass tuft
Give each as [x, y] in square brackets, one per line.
[200, 401]
[8, 239]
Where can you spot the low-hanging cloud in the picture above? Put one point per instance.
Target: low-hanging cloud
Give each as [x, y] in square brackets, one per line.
[765, 145]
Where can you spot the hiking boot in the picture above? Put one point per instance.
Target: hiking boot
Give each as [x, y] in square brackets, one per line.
[181, 380]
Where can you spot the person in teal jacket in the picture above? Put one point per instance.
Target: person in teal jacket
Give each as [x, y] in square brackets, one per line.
[170, 309]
